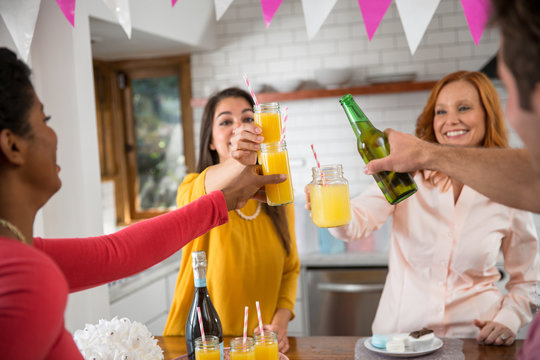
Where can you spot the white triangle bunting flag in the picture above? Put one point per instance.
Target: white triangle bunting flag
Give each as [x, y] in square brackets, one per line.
[315, 13]
[221, 6]
[20, 19]
[415, 17]
[120, 8]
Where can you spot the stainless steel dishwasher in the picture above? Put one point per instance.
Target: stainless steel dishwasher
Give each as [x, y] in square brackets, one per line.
[343, 301]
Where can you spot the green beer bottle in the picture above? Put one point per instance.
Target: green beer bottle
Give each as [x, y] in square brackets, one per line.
[373, 144]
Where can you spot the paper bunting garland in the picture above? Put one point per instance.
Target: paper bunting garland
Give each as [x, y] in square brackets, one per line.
[221, 6]
[477, 13]
[315, 13]
[269, 8]
[120, 8]
[20, 19]
[68, 9]
[372, 13]
[415, 17]
[20, 16]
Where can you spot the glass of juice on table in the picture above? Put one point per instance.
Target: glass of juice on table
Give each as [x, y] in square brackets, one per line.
[241, 350]
[329, 195]
[274, 159]
[266, 346]
[268, 118]
[208, 349]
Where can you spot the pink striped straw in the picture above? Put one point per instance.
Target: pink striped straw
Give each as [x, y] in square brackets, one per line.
[245, 324]
[284, 125]
[318, 164]
[201, 325]
[250, 89]
[260, 318]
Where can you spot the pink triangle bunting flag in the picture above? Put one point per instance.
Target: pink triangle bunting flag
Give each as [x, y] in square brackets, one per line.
[173, 2]
[373, 11]
[269, 8]
[477, 14]
[68, 8]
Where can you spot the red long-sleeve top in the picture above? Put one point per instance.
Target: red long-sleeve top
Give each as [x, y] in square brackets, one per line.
[35, 281]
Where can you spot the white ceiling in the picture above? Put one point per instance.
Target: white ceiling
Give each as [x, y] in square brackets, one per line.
[110, 42]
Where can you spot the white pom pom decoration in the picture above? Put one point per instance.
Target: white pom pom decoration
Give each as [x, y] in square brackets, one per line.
[118, 339]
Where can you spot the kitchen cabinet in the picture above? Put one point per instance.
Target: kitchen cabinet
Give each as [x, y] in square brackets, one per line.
[369, 89]
[147, 296]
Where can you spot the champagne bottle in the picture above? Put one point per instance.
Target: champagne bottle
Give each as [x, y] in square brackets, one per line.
[201, 298]
[373, 144]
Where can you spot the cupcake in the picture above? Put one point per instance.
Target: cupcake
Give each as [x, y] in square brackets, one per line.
[421, 340]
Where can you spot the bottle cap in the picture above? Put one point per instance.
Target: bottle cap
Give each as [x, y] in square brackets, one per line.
[199, 258]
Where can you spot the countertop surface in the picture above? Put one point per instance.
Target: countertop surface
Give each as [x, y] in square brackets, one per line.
[342, 347]
[345, 259]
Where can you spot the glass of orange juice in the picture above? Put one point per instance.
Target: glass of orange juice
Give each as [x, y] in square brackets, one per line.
[208, 349]
[268, 118]
[241, 350]
[266, 346]
[329, 195]
[274, 159]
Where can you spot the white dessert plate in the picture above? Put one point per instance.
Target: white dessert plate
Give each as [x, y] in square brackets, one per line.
[437, 344]
[226, 355]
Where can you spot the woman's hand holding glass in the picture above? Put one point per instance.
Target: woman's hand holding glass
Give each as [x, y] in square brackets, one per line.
[245, 143]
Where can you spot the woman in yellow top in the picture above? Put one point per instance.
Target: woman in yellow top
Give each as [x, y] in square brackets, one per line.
[254, 256]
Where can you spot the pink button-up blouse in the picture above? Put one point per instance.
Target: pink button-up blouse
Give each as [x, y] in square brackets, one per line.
[442, 260]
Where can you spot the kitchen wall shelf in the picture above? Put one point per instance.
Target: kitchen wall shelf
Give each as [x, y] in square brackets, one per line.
[385, 88]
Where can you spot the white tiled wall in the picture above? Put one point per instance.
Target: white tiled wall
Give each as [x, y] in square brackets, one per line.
[283, 52]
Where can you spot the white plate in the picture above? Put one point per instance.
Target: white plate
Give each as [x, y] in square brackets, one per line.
[437, 344]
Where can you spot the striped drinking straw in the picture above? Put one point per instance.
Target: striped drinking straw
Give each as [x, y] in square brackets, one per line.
[250, 89]
[284, 125]
[201, 324]
[318, 164]
[245, 324]
[260, 317]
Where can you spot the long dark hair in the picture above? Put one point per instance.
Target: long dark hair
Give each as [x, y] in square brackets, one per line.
[209, 157]
[16, 93]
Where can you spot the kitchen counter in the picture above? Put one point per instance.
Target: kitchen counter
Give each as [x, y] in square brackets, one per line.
[342, 347]
[345, 259]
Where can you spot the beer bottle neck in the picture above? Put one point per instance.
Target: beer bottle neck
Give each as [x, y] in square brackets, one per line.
[358, 120]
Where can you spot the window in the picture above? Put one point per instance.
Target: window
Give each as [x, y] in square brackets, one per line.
[145, 128]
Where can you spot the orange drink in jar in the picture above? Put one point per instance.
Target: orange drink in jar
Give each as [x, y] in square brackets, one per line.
[241, 350]
[329, 196]
[266, 346]
[274, 159]
[208, 349]
[268, 118]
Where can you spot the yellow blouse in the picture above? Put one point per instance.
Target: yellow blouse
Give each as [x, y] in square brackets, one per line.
[246, 263]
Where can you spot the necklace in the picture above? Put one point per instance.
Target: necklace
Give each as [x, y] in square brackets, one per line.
[251, 217]
[13, 229]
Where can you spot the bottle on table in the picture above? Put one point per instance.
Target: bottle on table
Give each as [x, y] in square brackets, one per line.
[373, 144]
[329, 195]
[201, 299]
